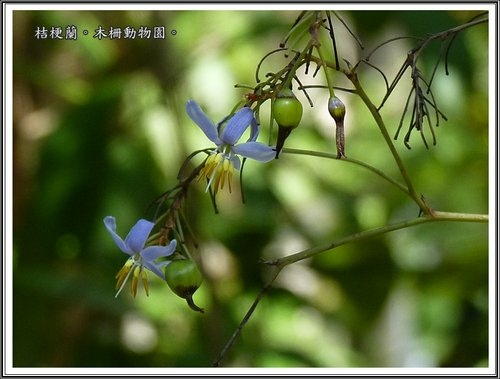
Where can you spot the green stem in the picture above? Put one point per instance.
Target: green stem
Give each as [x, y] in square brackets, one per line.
[281, 263]
[380, 123]
[247, 316]
[296, 65]
[328, 79]
[436, 216]
[351, 160]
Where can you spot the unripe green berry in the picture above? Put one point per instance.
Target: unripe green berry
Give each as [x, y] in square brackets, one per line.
[184, 278]
[336, 108]
[287, 109]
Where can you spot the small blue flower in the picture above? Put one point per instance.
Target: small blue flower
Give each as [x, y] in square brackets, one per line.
[224, 159]
[140, 257]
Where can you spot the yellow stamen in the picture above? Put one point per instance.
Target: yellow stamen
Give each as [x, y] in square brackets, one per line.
[217, 178]
[225, 171]
[135, 280]
[230, 177]
[144, 277]
[218, 170]
[123, 273]
[210, 165]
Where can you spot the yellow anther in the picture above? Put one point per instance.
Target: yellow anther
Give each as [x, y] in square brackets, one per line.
[230, 177]
[144, 277]
[135, 280]
[123, 273]
[218, 170]
[210, 165]
[225, 172]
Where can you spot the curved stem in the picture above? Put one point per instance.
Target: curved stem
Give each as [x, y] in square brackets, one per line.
[436, 216]
[351, 160]
[280, 263]
[245, 319]
[381, 125]
[327, 76]
[428, 215]
[298, 62]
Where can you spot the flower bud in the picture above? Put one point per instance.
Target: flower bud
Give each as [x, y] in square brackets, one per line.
[336, 108]
[184, 278]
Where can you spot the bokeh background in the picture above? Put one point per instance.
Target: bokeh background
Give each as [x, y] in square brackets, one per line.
[100, 129]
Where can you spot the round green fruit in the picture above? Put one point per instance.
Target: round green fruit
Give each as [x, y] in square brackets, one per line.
[287, 109]
[184, 278]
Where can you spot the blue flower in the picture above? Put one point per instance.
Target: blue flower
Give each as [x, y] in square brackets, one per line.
[224, 159]
[140, 257]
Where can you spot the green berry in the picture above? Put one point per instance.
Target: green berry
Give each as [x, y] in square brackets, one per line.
[287, 109]
[184, 278]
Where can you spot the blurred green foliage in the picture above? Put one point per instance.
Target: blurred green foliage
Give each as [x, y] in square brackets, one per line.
[100, 129]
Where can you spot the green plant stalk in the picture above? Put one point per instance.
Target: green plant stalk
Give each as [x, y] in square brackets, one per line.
[328, 79]
[271, 128]
[247, 316]
[280, 263]
[436, 216]
[380, 123]
[296, 65]
[351, 160]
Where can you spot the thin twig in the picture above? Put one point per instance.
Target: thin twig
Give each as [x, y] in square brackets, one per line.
[351, 160]
[245, 319]
[280, 263]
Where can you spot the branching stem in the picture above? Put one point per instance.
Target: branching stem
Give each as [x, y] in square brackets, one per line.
[426, 214]
[436, 216]
[280, 263]
[381, 125]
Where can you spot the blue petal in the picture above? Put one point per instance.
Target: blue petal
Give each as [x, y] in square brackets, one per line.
[151, 253]
[237, 125]
[161, 265]
[110, 223]
[155, 268]
[138, 235]
[254, 132]
[255, 150]
[235, 160]
[200, 118]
